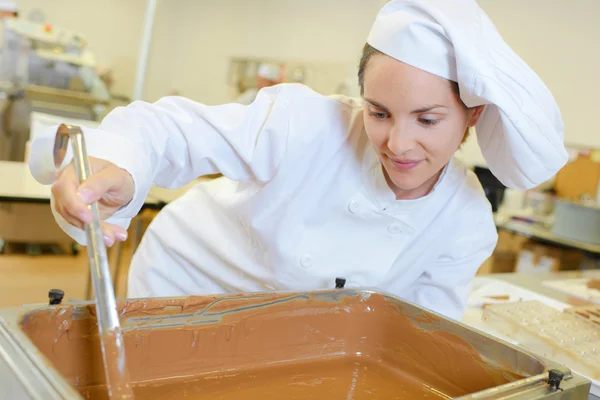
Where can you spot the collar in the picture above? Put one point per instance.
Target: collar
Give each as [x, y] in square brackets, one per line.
[414, 213]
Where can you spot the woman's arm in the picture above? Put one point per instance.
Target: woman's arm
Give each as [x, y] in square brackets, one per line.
[175, 140]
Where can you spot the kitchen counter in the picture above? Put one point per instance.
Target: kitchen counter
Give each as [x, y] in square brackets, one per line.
[534, 283]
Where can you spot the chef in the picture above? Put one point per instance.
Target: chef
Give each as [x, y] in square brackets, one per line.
[267, 75]
[319, 187]
[8, 9]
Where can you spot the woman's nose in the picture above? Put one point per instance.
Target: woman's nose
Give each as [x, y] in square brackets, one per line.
[400, 140]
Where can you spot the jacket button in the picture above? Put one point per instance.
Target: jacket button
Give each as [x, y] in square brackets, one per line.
[353, 206]
[306, 261]
[394, 229]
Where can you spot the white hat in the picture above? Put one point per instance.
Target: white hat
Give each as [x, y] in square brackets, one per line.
[8, 6]
[270, 72]
[521, 132]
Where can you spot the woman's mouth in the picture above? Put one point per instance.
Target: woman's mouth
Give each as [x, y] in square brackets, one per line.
[405, 165]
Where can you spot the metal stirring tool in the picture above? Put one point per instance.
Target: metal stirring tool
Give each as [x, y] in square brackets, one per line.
[111, 336]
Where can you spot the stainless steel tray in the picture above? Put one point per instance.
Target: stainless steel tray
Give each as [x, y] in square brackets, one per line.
[359, 312]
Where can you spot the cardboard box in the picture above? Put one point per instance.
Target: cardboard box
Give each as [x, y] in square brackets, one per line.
[516, 253]
[504, 263]
[509, 242]
[486, 267]
[536, 258]
[540, 258]
[505, 254]
[578, 178]
[499, 262]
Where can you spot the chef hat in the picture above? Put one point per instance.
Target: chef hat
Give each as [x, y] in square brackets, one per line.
[8, 6]
[270, 72]
[521, 131]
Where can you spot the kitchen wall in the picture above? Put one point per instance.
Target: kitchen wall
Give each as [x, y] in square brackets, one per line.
[193, 41]
[560, 40]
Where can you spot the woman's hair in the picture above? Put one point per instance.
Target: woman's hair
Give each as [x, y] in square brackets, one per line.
[368, 52]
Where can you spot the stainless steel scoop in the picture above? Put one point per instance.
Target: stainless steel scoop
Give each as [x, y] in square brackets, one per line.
[108, 318]
[106, 306]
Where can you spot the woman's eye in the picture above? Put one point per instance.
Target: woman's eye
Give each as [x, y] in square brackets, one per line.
[428, 121]
[378, 115]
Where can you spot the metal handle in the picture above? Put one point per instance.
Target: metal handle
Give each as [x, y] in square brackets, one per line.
[111, 337]
[513, 388]
[108, 319]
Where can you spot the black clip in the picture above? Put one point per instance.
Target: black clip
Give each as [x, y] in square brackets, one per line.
[555, 377]
[55, 296]
[340, 283]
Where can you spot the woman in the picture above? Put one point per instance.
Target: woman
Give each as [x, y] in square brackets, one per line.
[322, 187]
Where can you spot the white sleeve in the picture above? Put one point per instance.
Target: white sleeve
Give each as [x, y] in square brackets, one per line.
[175, 140]
[445, 286]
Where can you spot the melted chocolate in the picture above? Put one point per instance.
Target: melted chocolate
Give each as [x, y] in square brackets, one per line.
[274, 346]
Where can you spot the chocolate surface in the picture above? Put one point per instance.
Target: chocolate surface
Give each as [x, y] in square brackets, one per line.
[272, 346]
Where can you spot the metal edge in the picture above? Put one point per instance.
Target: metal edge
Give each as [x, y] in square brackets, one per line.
[29, 354]
[40, 387]
[508, 388]
[549, 364]
[570, 378]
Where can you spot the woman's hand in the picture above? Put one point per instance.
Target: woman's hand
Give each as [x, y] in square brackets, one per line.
[109, 185]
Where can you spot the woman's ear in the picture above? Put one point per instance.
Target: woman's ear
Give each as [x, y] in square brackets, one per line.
[475, 114]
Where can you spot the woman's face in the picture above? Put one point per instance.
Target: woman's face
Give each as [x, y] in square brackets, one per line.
[415, 120]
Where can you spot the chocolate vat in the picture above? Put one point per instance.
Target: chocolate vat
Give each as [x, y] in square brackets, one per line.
[347, 344]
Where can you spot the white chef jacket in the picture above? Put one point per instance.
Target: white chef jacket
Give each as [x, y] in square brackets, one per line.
[303, 201]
